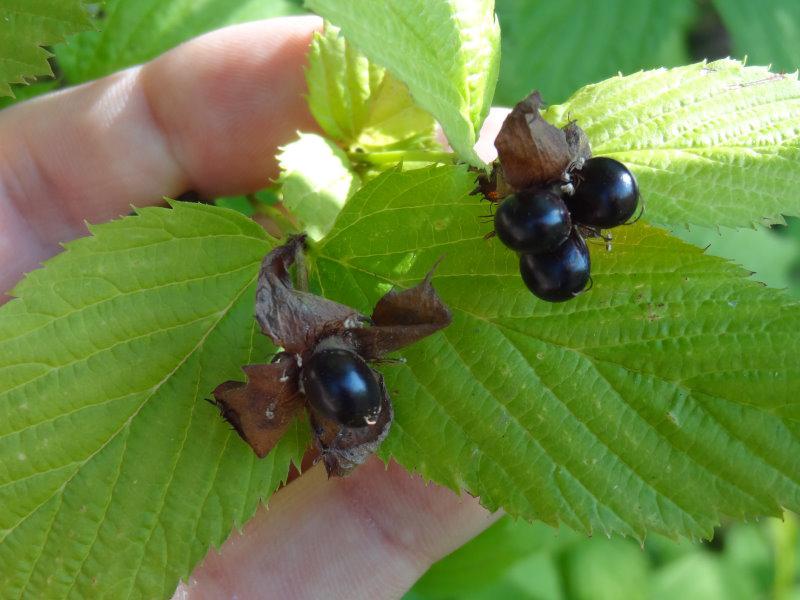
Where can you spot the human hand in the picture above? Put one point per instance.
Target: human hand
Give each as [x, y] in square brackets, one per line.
[209, 117]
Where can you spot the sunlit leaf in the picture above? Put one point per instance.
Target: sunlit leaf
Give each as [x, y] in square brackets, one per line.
[713, 144]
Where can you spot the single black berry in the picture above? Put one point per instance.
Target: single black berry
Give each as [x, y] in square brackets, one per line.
[340, 386]
[558, 275]
[532, 221]
[606, 194]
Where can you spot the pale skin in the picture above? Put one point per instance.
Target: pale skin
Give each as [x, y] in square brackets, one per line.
[209, 117]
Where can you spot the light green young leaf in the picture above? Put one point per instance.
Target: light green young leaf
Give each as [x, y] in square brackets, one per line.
[117, 476]
[661, 400]
[134, 31]
[316, 181]
[714, 144]
[445, 51]
[557, 47]
[358, 103]
[766, 32]
[26, 26]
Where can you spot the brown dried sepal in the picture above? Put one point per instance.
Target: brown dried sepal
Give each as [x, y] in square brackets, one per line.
[261, 409]
[294, 319]
[531, 151]
[344, 448]
[578, 143]
[401, 318]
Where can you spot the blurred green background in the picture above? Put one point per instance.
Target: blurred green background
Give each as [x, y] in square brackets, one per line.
[523, 561]
[555, 46]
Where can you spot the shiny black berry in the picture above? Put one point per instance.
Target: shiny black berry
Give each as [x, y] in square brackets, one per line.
[340, 386]
[606, 194]
[532, 221]
[558, 275]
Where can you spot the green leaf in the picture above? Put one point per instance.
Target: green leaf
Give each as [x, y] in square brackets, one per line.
[605, 570]
[713, 144]
[556, 47]
[316, 182]
[26, 26]
[134, 31]
[29, 91]
[701, 577]
[487, 558]
[445, 51]
[358, 103]
[769, 255]
[661, 400]
[117, 477]
[766, 32]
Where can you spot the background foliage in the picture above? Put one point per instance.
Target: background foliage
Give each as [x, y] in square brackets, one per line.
[26, 26]
[529, 561]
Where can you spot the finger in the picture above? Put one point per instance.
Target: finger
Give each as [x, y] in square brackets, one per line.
[491, 126]
[207, 116]
[370, 535]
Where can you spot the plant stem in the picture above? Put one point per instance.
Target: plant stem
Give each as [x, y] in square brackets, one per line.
[390, 157]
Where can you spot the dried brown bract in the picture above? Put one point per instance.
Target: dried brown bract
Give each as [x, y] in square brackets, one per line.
[326, 345]
[532, 153]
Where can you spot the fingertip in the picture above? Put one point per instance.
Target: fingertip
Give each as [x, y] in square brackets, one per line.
[372, 534]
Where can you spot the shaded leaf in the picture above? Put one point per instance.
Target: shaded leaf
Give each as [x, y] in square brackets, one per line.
[556, 47]
[29, 91]
[765, 32]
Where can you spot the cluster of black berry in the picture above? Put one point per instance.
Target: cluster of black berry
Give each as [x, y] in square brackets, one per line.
[547, 225]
